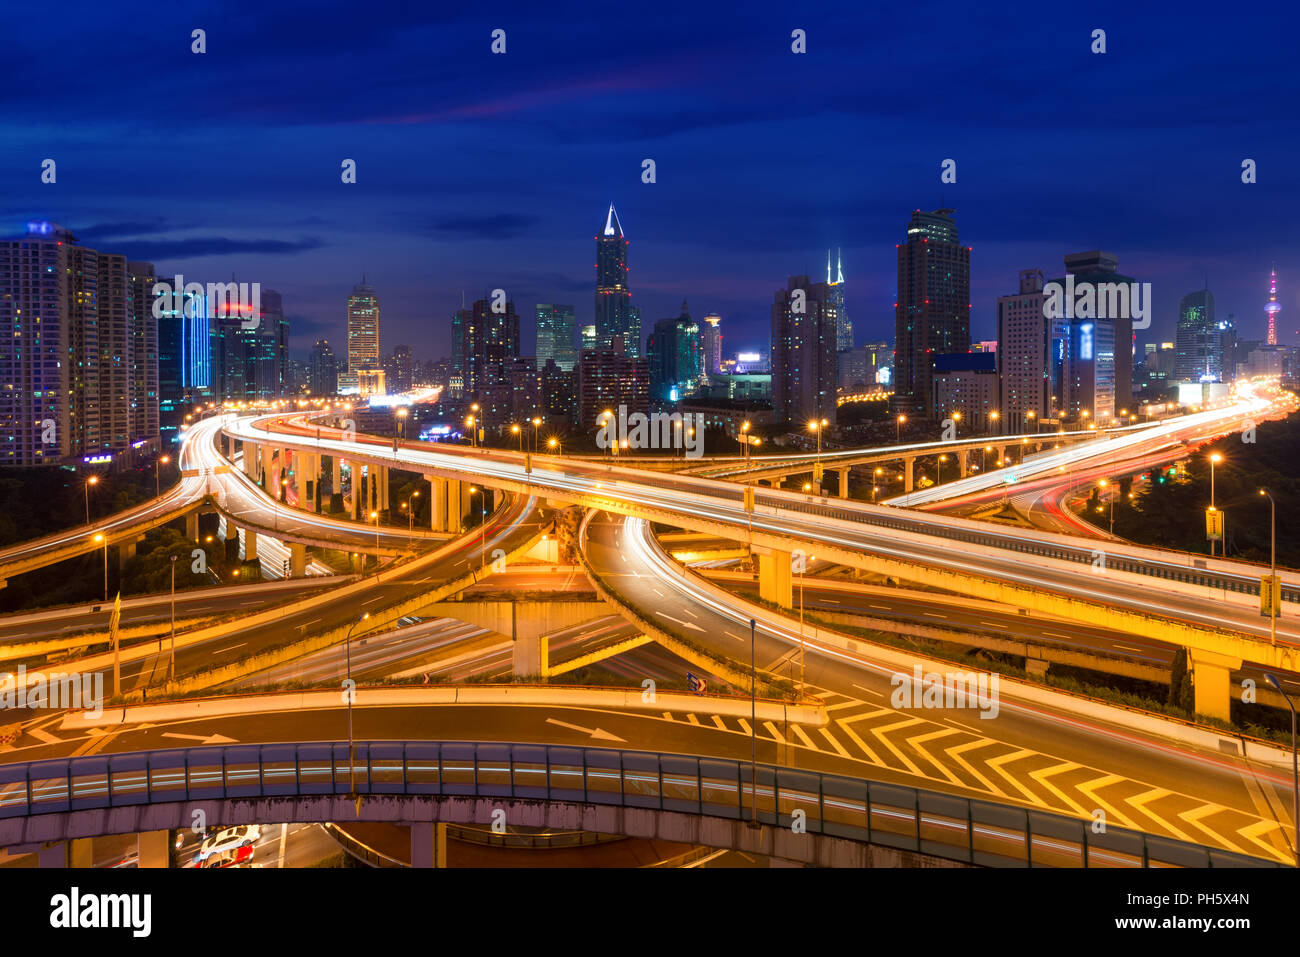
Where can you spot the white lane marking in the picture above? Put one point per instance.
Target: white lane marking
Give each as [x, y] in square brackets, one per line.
[231, 648]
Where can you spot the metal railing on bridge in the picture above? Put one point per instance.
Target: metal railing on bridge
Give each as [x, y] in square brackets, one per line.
[943, 825]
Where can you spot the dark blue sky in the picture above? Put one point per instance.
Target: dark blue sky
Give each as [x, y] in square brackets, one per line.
[477, 171]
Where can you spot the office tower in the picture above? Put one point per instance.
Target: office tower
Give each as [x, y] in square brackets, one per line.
[614, 313]
[1028, 373]
[1198, 352]
[363, 327]
[399, 369]
[609, 378]
[844, 332]
[461, 320]
[323, 378]
[1098, 268]
[1272, 307]
[588, 337]
[859, 366]
[804, 331]
[1090, 384]
[933, 309]
[712, 333]
[556, 327]
[74, 355]
[275, 339]
[676, 353]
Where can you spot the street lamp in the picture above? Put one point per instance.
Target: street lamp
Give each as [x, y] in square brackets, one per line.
[1215, 459]
[101, 537]
[1273, 610]
[817, 425]
[469, 424]
[157, 481]
[554, 443]
[409, 505]
[401, 421]
[938, 470]
[743, 438]
[347, 646]
[1029, 416]
[90, 480]
[956, 420]
[537, 424]
[1295, 768]
[993, 418]
[375, 516]
[898, 429]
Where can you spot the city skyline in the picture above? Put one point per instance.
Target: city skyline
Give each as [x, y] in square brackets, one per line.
[722, 230]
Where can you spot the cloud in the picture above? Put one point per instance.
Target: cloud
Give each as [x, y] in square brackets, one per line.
[166, 249]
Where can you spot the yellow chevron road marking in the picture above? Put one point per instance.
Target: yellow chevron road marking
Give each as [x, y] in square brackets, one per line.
[934, 736]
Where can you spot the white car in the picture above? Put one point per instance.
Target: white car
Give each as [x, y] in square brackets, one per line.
[228, 838]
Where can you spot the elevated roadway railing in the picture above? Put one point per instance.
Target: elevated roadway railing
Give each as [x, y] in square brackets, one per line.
[802, 803]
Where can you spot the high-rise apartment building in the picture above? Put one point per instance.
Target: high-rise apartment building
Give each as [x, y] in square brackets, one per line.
[363, 328]
[1027, 350]
[399, 369]
[932, 314]
[805, 327]
[489, 340]
[609, 378]
[75, 356]
[615, 315]
[556, 332]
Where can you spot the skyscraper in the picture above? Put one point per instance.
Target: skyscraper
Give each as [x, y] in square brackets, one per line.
[804, 331]
[1198, 352]
[610, 378]
[74, 354]
[676, 353]
[844, 333]
[275, 334]
[323, 377]
[1272, 307]
[614, 313]
[556, 330]
[1097, 268]
[712, 330]
[1025, 355]
[489, 341]
[932, 314]
[363, 328]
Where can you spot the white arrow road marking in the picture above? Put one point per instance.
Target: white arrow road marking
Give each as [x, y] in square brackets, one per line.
[209, 739]
[684, 624]
[595, 733]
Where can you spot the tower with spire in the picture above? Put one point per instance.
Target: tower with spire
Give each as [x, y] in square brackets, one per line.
[1272, 307]
[835, 280]
[615, 316]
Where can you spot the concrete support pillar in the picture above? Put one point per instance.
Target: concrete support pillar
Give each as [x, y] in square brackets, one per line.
[455, 506]
[963, 459]
[250, 544]
[384, 491]
[297, 560]
[775, 576]
[428, 844]
[192, 526]
[1036, 666]
[909, 473]
[308, 472]
[126, 552]
[844, 482]
[74, 853]
[1002, 454]
[1212, 682]
[437, 503]
[354, 471]
[155, 849]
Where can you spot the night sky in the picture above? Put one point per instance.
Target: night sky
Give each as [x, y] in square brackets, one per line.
[478, 171]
